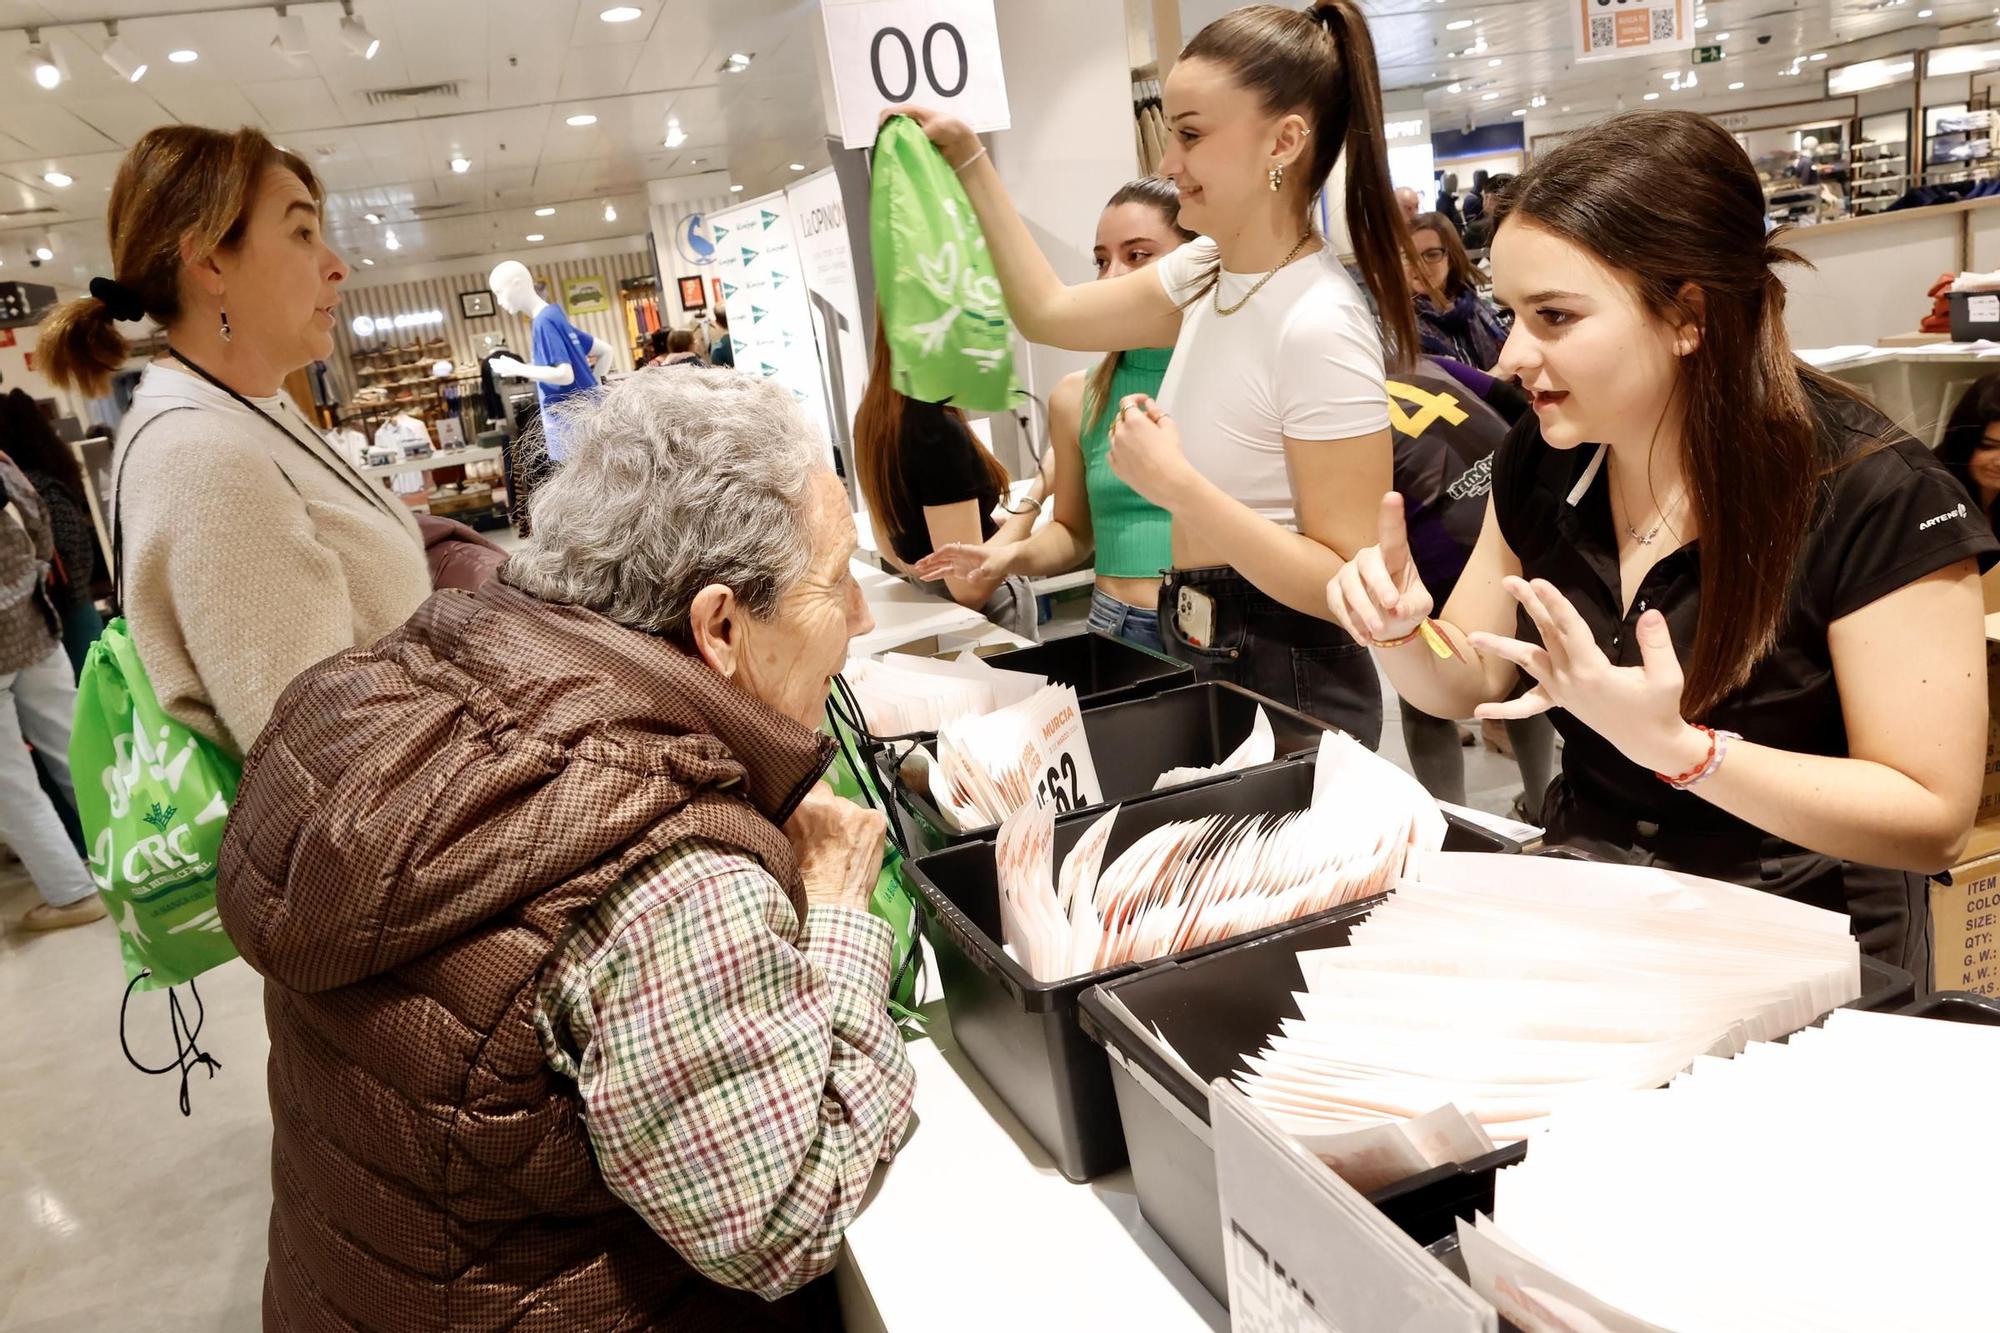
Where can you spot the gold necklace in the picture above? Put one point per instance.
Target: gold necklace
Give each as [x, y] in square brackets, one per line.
[1222, 309]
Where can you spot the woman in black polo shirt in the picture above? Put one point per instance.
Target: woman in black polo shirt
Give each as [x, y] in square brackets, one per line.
[1749, 601]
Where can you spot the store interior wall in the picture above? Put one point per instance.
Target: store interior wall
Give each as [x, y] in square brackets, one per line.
[627, 257]
[1071, 146]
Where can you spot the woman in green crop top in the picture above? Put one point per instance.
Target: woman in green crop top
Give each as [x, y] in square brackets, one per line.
[1131, 535]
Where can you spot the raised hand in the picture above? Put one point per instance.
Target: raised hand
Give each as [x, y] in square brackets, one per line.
[965, 560]
[1378, 596]
[953, 137]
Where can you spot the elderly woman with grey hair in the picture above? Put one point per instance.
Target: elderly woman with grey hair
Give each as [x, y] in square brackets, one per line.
[577, 1012]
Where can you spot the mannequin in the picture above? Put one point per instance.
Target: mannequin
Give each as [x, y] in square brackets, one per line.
[565, 356]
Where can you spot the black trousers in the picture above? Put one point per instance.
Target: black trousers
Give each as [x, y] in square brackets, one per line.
[1263, 645]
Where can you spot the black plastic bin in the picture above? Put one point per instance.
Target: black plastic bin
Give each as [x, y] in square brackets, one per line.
[1957, 1006]
[1212, 1010]
[1131, 743]
[1021, 1033]
[1103, 668]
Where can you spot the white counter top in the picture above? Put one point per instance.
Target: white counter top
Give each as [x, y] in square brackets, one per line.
[905, 613]
[972, 1228]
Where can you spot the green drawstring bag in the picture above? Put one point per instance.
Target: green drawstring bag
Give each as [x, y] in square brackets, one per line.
[894, 899]
[942, 312]
[154, 799]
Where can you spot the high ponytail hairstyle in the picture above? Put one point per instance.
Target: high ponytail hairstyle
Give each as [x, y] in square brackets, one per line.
[178, 181]
[1320, 62]
[1669, 200]
[1159, 194]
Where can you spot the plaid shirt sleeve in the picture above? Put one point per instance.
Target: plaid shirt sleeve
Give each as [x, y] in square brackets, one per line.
[741, 1077]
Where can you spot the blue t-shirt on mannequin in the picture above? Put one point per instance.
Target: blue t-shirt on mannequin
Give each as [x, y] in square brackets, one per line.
[556, 341]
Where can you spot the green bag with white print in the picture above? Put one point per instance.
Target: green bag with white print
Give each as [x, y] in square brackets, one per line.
[942, 312]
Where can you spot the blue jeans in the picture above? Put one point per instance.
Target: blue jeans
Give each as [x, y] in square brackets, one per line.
[1134, 624]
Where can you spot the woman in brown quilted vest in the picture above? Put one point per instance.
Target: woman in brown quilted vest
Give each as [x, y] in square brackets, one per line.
[577, 1011]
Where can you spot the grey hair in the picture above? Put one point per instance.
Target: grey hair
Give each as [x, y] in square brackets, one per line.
[673, 479]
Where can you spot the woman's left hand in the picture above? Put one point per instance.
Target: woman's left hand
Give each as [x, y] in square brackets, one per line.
[1637, 709]
[1146, 451]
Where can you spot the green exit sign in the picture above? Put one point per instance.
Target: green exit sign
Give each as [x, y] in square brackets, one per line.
[1707, 55]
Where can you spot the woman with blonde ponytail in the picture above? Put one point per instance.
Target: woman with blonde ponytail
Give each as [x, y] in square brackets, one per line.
[248, 548]
[1749, 602]
[1268, 441]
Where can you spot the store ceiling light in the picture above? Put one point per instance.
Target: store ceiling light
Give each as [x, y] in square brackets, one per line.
[60, 179]
[610, 213]
[533, 236]
[44, 251]
[1458, 25]
[1736, 87]
[545, 212]
[291, 39]
[1701, 22]
[620, 13]
[737, 63]
[120, 57]
[461, 165]
[1454, 87]
[366, 260]
[389, 241]
[1650, 97]
[581, 119]
[355, 33]
[39, 64]
[1489, 97]
[798, 166]
[184, 56]
[1494, 63]
[1722, 37]
[676, 136]
[1817, 55]
[736, 189]
[1518, 111]
[1538, 101]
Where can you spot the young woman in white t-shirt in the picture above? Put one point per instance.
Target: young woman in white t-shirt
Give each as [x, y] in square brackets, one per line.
[1269, 442]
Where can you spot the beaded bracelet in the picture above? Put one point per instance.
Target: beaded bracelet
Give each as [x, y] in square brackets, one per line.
[1433, 638]
[1718, 747]
[959, 170]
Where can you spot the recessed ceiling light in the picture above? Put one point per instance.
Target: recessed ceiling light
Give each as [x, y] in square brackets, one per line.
[372, 217]
[1722, 37]
[184, 56]
[676, 136]
[1671, 75]
[389, 241]
[1736, 87]
[736, 64]
[798, 166]
[1458, 25]
[736, 189]
[1925, 13]
[60, 179]
[366, 260]
[610, 213]
[1701, 22]
[534, 236]
[1454, 87]
[1494, 63]
[581, 120]
[355, 33]
[621, 13]
[1518, 111]
[461, 165]
[1817, 55]
[44, 253]
[545, 212]
[1489, 97]
[1651, 97]
[1565, 110]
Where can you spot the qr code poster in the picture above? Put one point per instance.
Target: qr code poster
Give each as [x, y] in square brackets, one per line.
[1613, 29]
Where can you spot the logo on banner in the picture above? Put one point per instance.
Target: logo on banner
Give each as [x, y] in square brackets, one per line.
[778, 279]
[770, 371]
[728, 291]
[749, 256]
[757, 314]
[692, 240]
[770, 219]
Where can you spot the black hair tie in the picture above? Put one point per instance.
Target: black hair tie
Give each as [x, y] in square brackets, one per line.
[123, 303]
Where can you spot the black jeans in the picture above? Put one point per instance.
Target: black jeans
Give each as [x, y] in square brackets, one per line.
[1264, 646]
[1887, 910]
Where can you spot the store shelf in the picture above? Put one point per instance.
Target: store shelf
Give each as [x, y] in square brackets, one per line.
[441, 459]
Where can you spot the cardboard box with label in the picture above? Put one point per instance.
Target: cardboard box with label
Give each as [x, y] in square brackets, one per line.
[1965, 918]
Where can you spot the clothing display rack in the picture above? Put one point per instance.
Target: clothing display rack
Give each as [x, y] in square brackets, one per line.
[1149, 119]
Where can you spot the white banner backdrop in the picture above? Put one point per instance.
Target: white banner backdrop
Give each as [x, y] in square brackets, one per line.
[819, 221]
[770, 311]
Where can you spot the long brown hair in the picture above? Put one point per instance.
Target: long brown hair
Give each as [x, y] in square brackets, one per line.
[1320, 62]
[178, 180]
[1159, 194]
[1669, 200]
[878, 448]
[1460, 275]
[27, 437]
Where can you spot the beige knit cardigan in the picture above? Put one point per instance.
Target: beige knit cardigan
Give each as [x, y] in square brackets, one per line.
[250, 554]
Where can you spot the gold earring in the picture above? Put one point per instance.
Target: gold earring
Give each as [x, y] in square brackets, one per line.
[1277, 178]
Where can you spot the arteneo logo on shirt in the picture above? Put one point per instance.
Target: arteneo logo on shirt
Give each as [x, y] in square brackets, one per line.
[1946, 517]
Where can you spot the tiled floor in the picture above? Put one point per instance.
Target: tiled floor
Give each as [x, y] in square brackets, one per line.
[115, 1212]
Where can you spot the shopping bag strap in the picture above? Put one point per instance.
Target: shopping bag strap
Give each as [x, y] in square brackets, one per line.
[186, 1054]
[120, 466]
